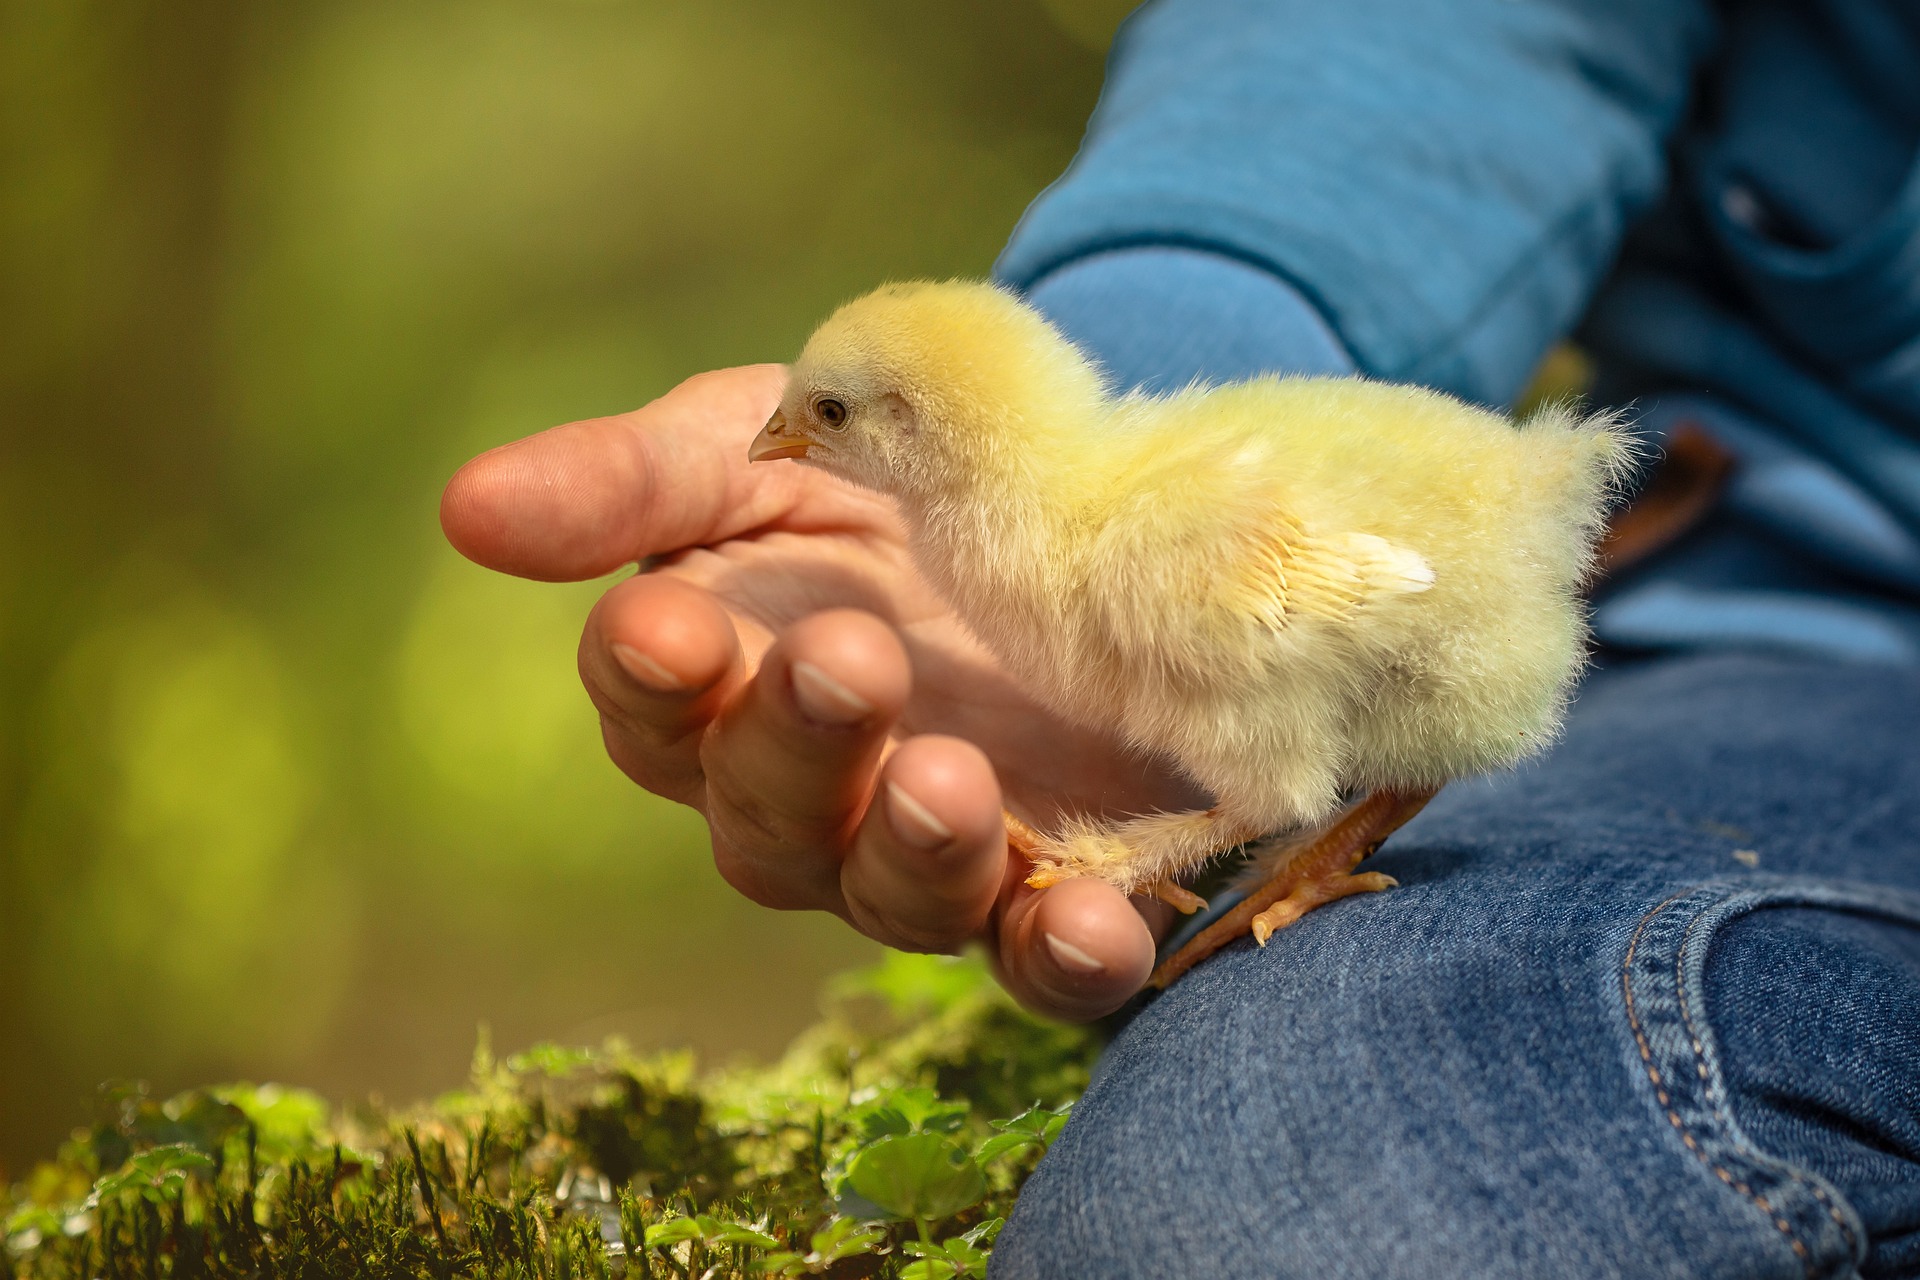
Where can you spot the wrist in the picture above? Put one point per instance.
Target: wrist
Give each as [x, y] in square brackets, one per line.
[1159, 317]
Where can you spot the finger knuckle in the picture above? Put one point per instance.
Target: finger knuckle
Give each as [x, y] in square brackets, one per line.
[748, 876]
[660, 773]
[742, 876]
[928, 937]
[759, 821]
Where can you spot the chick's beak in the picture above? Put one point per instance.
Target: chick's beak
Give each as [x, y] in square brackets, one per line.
[776, 440]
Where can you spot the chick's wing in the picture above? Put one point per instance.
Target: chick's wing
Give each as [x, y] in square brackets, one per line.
[1195, 558]
[1286, 572]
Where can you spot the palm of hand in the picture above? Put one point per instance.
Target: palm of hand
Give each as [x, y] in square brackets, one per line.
[842, 547]
[885, 807]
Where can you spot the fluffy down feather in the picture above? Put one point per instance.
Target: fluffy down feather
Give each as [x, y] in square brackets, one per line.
[1295, 588]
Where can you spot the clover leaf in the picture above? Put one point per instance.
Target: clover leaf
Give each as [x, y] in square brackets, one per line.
[923, 1176]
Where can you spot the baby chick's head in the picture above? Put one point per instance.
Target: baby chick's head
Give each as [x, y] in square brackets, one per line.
[921, 389]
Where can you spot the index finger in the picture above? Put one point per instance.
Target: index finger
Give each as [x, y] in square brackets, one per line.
[581, 500]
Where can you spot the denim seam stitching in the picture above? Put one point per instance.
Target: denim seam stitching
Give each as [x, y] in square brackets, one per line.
[1717, 1097]
[1799, 1246]
[1661, 1013]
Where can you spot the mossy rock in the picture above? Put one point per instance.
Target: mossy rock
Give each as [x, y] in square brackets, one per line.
[924, 1091]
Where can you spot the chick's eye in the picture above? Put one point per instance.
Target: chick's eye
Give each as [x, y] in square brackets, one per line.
[831, 411]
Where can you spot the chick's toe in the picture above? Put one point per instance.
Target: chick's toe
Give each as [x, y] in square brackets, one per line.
[1310, 872]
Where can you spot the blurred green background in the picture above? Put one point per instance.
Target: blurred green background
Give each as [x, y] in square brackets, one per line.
[289, 790]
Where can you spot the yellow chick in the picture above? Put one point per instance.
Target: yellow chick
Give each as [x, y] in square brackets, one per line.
[1296, 589]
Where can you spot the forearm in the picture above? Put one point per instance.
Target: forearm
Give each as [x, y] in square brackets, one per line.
[1443, 185]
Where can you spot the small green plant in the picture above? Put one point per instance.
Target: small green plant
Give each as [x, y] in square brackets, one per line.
[870, 1149]
[962, 1255]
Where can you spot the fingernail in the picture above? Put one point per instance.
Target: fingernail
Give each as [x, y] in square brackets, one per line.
[825, 699]
[1072, 958]
[913, 822]
[646, 670]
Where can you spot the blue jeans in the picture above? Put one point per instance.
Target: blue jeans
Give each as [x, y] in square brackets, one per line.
[1648, 1008]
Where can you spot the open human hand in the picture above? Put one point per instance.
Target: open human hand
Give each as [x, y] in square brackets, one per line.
[782, 667]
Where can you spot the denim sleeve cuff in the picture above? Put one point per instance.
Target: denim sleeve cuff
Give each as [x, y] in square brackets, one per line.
[1159, 318]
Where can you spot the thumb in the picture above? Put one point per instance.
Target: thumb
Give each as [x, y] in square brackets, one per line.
[582, 499]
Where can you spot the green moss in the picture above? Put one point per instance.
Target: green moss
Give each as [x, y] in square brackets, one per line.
[889, 1141]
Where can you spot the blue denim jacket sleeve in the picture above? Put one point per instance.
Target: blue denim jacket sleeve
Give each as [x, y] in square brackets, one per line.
[1445, 183]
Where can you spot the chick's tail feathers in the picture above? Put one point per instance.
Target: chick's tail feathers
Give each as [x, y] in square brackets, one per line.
[1580, 468]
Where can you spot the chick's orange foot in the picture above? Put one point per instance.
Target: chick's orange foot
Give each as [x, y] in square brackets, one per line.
[1178, 896]
[1306, 874]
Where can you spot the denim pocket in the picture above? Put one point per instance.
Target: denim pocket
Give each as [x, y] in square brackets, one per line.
[1663, 981]
[1853, 308]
